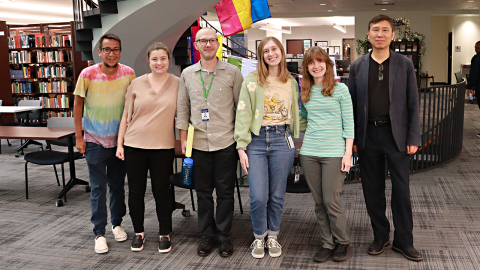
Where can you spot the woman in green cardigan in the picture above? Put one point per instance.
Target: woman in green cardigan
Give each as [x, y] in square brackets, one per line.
[267, 119]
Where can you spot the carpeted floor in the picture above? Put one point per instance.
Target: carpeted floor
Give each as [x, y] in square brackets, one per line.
[35, 234]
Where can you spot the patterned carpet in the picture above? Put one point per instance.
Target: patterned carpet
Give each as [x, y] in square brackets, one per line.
[34, 234]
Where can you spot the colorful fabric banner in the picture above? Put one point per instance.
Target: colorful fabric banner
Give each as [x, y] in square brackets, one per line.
[220, 47]
[234, 16]
[195, 54]
[260, 10]
[245, 65]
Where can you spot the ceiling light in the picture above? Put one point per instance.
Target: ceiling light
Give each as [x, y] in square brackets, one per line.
[330, 10]
[269, 28]
[384, 9]
[339, 28]
[471, 1]
[323, 4]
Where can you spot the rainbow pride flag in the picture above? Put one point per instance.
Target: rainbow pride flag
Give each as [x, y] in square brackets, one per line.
[236, 16]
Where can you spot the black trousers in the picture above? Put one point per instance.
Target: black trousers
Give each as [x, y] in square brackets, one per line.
[379, 145]
[160, 163]
[215, 170]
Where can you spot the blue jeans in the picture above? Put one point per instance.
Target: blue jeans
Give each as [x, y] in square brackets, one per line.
[104, 169]
[270, 161]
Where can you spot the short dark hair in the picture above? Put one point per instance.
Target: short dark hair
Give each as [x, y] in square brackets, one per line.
[109, 36]
[158, 46]
[379, 18]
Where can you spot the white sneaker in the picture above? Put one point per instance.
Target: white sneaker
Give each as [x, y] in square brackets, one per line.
[101, 245]
[258, 248]
[274, 248]
[120, 234]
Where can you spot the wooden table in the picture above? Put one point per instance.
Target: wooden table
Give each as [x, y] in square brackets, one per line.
[47, 133]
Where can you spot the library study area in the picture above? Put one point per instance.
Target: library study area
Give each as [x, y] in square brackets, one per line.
[70, 201]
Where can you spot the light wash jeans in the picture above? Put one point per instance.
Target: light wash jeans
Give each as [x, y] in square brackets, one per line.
[270, 161]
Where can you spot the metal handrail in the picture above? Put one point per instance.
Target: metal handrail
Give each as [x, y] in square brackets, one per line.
[79, 6]
[228, 40]
[441, 122]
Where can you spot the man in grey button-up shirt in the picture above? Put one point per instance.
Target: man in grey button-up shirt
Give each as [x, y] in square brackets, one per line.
[209, 105]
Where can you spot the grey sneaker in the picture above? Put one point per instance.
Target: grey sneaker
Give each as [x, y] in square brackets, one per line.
[258, 248]
[274, 248]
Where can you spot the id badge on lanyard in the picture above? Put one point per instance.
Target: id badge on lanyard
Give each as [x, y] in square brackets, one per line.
[205, 113]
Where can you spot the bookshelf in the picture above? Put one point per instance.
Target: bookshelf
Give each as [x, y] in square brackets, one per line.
[41, 63]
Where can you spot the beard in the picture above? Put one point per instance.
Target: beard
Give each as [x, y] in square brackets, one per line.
[108, 66]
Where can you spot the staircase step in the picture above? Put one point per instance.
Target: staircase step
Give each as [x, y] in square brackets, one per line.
[83, 46]
[84, 35]
[87, 55]
[108, 7]
[92, 21]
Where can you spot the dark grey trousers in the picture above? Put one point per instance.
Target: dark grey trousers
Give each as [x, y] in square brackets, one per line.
[325, 180]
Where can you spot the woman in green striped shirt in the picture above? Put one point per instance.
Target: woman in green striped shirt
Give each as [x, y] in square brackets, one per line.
[327, 149]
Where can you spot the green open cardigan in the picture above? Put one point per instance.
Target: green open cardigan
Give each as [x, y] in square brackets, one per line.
[250, 111]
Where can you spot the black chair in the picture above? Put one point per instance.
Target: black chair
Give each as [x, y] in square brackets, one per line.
[458, 77]
[51, 157]
[176, 180]
[26, 119]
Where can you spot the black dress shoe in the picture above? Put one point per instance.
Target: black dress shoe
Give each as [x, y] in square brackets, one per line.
[409, 252]
[340, 253]
[226, 248]
[205, 246]
[323, 255]
[378, 246]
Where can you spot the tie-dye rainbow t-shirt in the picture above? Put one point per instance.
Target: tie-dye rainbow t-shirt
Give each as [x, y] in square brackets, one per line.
[104, 101]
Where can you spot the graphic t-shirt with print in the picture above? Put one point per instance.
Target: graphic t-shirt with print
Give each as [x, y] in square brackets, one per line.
[277, 103]
[104, 101]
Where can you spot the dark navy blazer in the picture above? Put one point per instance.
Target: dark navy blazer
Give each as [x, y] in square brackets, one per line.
[404, 104]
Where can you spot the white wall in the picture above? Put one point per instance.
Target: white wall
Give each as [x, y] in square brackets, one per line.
[466, 32]
[439, 48]
[319, 33]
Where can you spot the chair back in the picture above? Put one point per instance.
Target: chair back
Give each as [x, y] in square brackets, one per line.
[458, 76]
[34, 115]
[67, 122]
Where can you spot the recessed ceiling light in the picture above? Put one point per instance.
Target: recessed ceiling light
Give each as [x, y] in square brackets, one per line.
[323, 4]
[470, 1]
[330, 10]
[384, 9]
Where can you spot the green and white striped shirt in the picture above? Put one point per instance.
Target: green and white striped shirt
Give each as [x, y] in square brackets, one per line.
[330, 122]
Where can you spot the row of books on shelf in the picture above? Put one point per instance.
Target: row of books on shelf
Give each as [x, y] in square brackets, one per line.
[41, 72]
[22, 57]
[42, 87]
[48, 114]
[405, 47]
[38, 41]
[61, 101]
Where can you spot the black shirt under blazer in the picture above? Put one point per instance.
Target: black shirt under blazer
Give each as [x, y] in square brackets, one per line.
[404, 104]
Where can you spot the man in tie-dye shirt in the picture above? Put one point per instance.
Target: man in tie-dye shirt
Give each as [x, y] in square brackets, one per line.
[99, 100]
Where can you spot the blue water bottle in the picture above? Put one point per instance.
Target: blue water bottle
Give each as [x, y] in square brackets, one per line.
[187, 171]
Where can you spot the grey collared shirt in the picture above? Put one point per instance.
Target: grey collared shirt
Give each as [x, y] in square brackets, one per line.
[217, 133]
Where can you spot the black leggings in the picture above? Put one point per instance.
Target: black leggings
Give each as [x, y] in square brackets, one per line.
[160, 163]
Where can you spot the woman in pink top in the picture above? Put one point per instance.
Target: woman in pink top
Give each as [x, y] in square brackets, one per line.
[146, 141]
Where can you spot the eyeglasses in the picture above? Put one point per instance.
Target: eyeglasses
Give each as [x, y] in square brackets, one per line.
[204, 42]
[108, 50]
[380, 74]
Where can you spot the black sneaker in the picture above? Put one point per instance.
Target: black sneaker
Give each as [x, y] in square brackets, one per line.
[165, 245]
[205, 246]
[226, 248]
[137, 242]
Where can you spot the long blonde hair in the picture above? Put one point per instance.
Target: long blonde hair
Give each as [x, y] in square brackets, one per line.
[262, 68]
[317, 53]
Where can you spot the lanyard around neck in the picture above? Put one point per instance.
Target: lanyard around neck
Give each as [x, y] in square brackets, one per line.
[205, 92]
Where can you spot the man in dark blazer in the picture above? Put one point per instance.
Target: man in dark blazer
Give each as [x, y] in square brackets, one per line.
[386, 112]
[474, 78]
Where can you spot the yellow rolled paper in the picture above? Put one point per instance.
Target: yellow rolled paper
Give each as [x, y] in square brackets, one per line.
[189, 140]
